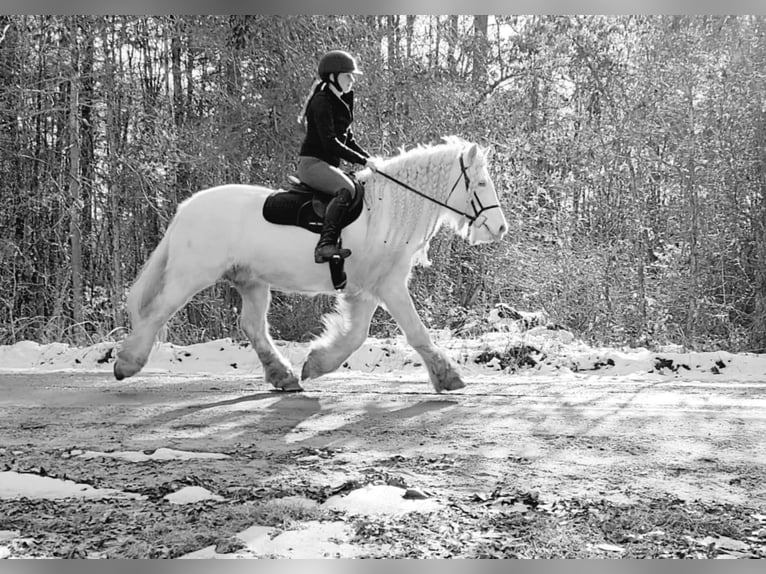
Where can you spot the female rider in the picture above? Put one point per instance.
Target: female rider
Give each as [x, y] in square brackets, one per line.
[328, 114]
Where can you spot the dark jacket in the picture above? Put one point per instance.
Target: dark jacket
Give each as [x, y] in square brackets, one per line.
[328, 128]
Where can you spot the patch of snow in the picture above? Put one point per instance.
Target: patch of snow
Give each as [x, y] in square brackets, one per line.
[6, 535]
[313, 540]
[190, 494]
[379, 499]
[24, 485]
[159, 454]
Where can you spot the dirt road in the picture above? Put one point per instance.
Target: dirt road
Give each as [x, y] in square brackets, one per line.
[617, 439]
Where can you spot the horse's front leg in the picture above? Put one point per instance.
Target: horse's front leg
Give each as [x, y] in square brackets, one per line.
[277, 371]
[442, 371]
[345, 331]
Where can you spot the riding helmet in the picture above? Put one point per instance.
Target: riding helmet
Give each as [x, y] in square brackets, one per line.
[337, 62]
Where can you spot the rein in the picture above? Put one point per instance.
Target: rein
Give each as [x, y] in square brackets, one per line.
[464, 176]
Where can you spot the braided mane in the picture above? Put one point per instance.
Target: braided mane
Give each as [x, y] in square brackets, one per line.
[397, 216]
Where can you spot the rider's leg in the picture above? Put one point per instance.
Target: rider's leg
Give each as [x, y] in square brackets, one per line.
[331, 180]
[323, 176]
[327, 246]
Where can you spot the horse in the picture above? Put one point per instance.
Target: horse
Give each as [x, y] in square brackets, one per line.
[221, 233]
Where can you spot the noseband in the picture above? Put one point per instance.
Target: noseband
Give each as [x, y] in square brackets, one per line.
[475, 201]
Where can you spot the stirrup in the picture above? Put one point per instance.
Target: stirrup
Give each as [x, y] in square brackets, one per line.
[325, 257]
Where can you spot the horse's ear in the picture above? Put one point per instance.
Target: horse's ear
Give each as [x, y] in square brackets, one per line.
[472, 152]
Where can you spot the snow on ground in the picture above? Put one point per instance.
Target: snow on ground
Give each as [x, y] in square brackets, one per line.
[313, 540]
[323, 539]
[191, 494]
[28, 485]
[533, 352]
[159, 454]
[16, 485]
[538, 351]
[379, 499]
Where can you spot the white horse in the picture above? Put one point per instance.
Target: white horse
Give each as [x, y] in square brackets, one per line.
[221, 233]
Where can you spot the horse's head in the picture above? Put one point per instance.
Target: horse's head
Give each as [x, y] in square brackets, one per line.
[482, 214]
[452, 178]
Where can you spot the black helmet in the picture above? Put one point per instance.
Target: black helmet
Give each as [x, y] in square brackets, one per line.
[337, 62]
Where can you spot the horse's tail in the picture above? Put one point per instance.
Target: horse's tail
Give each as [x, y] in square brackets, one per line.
[150, 280]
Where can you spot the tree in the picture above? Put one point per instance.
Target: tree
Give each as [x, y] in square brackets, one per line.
[74, 170]
[628, 152]
[480, 49]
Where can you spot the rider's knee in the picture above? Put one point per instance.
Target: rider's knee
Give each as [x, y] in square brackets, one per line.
[346, 195]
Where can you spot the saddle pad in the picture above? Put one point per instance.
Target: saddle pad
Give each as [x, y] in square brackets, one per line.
[289, 207]
[299, 208]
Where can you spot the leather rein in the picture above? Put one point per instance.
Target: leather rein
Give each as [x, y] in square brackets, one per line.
[476, 204]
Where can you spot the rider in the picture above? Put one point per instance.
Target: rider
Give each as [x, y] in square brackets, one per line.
[328, 114]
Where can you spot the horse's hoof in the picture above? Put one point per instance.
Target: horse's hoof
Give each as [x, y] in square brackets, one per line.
[290, 385]
[451, 383]
[308, 371]
[454, 384]
[124, 368]
[283, 379]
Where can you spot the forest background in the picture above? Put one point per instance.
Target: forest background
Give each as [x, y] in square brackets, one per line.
[628, 152]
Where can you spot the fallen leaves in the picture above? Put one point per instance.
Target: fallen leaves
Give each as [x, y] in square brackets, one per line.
[608, 547]
[504, 522]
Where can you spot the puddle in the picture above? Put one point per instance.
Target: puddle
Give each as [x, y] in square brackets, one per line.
[23, 485]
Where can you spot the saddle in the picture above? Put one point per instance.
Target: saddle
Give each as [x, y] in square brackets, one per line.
[304, 206]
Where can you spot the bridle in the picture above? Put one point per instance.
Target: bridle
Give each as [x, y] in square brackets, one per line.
[475, 202]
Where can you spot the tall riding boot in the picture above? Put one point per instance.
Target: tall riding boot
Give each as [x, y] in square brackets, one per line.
[327, 247]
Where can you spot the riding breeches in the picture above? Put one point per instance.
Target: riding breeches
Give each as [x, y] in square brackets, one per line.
[322, 176]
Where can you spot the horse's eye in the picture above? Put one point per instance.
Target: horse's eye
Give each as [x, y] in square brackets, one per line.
[482, 184]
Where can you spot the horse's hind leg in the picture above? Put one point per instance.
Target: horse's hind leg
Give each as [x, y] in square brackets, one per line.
[146, 322]
[256, 298]
[344, 332]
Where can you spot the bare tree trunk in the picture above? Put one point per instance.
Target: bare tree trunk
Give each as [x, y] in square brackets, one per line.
[112, 159]
[175, 55]
[89, 223]
[410, 28]
[393, 41]
[179, 180]
[639, 254]
[434, 37]
[480, 52]
[74, 175]
[758, 337]
[691, 191]
[452, 40]
[759, 314]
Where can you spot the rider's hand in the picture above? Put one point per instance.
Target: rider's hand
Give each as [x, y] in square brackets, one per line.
[373, 163]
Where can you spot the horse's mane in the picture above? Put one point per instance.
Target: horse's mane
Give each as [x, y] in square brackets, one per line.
[447, 145]
[398, 216]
